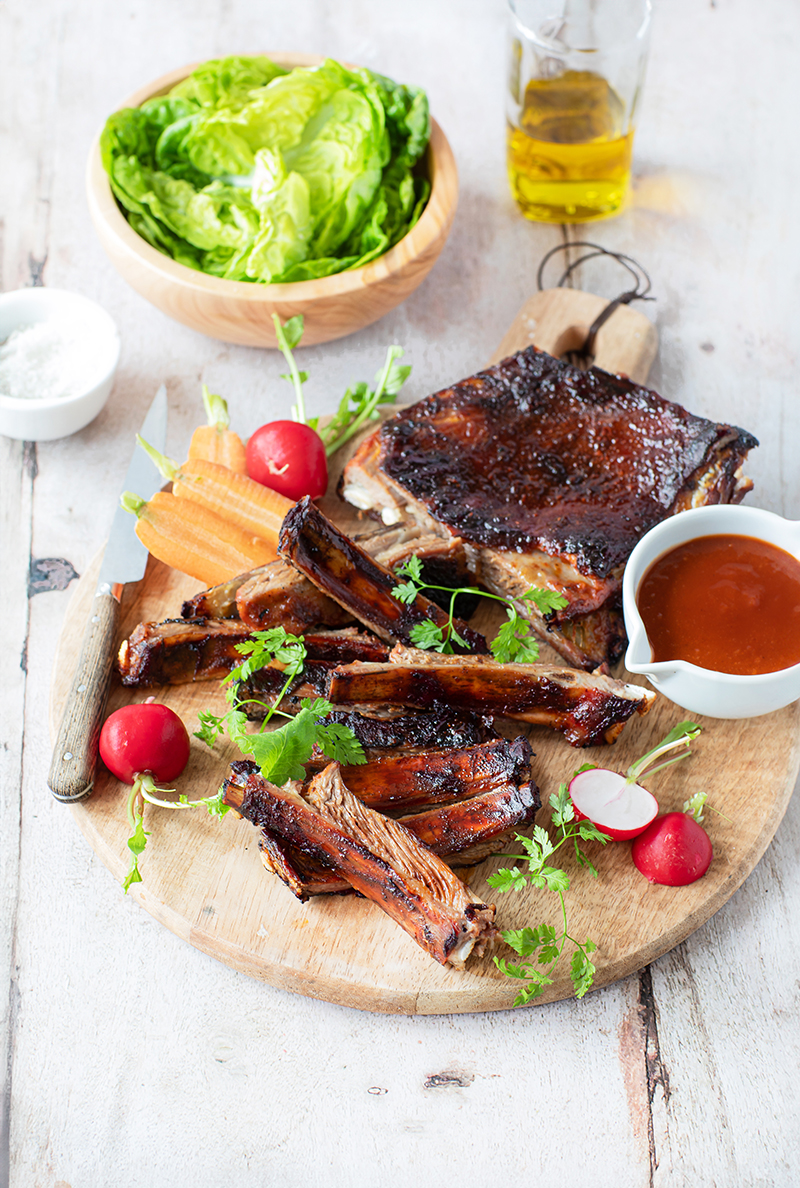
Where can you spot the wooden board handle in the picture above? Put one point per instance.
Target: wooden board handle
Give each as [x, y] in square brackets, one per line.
[74, 760]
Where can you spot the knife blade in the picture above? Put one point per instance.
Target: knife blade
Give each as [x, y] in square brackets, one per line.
[74, 759]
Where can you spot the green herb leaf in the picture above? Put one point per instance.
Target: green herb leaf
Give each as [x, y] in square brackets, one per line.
[405, 592]
[340, 743]
[582, 969]
[211, 727]
[515, 642]
[136, 844]
[546, 601]
[507, 879]
[428, 636]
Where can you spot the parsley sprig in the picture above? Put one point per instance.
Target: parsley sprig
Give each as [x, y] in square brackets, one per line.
[360, 403]
[281, 753]
[514, 643]
[543, 945]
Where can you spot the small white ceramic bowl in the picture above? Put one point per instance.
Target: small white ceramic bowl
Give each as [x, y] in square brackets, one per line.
[48, 418]
[699, 690]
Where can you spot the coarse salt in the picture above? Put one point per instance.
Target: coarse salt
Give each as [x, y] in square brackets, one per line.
[48, 361]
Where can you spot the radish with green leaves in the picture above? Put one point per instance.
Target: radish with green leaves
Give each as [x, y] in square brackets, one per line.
[618, 804]
[291, 457]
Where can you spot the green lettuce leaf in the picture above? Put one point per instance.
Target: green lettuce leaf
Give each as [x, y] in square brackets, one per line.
[250, 172]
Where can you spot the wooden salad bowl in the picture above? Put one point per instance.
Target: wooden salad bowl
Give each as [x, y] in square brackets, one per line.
[239, 312]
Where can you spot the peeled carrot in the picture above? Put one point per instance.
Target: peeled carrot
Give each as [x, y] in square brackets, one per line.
[216, 442]
[194, 540]
[235, 497]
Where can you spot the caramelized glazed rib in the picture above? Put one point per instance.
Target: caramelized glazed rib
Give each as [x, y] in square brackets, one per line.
[552, 475]
[379, 858]
[441, 728]
[345, 572]
[180, 650]
[463, 834]
[410, 780]
[588, 710]
[278, 596]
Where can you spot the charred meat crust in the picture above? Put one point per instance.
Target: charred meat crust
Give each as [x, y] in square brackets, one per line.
[345, 572]
[177, 651]
[589, 710]
[535, 454]
[180, 650]
[463, 834]
[277, 595]
[439, 729]
[406, 781]
[379, 858]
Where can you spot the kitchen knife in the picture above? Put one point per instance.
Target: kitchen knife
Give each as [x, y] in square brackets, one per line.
[74, 760]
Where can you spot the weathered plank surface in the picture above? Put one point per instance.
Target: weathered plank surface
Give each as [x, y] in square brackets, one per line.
[132, 1057]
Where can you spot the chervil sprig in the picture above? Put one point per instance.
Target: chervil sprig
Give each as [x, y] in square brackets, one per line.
[543, 945]
[515, 641]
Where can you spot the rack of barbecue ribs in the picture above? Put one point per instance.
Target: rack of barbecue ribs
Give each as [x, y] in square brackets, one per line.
[549, 476]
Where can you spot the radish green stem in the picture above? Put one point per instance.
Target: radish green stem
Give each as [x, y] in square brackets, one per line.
[680, 736]
[370, 405]
[299, 410]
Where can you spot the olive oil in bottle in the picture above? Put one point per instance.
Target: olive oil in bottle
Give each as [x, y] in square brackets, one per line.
[569, 160]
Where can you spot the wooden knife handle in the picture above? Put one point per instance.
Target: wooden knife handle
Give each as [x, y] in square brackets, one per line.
[75, 753]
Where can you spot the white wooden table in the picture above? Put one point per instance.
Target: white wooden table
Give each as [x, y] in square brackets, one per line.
[128, 1057]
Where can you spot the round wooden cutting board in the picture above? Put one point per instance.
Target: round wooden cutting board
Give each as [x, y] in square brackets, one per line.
[204, 880]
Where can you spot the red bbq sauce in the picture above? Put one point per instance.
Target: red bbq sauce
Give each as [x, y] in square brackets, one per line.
[727, 603]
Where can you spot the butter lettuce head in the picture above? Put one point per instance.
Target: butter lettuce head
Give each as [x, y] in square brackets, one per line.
[251, 172]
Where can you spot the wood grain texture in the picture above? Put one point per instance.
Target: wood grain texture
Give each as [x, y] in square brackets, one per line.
[237, 312]
[203, 879]
[558, 321]
[128, 1057]
[75, 750]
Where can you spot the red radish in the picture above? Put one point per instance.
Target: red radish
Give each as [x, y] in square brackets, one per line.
[613, 803]
[289, 457]
[673, 851]
[148, 738]
[140, 744]
[617, 804]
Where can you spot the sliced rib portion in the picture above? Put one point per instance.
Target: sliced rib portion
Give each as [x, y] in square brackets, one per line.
[439, 729]
[180, 650]
[345, 572]
[551, 475]
[401, 782]
[219, 602]
[587, 709]
[381, 859]
[278, 596]
[324, 650]
[464, 833]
